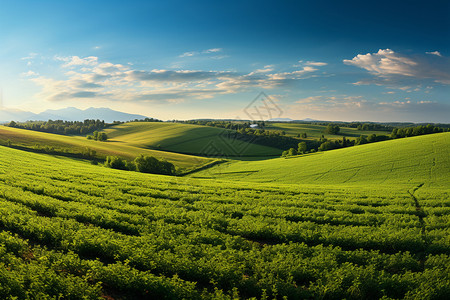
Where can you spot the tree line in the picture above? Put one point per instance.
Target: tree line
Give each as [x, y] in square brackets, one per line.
[62, 127]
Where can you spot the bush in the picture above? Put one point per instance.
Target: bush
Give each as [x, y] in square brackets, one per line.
[150, 164]
[115, 162]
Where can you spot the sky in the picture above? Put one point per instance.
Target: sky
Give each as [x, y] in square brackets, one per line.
[324, 60]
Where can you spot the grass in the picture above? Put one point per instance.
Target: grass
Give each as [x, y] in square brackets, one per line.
[73, 229]
[410, 161]
[76, 144]
[186, 138]
[316, 131]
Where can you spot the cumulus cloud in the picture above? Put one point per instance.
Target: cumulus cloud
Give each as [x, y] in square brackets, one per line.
[391, 67]
[29, 74]
[77, 61]
[89, 78]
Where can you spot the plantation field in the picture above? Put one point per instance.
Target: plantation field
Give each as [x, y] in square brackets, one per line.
[314, 132]
[187, 138]
[76, 144]
[89, 232]
[408, 161]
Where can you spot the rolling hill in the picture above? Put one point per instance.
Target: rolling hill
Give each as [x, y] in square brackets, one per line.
[410, 161]
[315, 131]
[187, 138]
[76, 144]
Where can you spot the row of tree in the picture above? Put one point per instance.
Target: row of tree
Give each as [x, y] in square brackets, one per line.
[62, 127]
[323, 144]
[418, 130]
[142, 163]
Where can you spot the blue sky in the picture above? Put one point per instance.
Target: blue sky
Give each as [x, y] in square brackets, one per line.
[328, 60]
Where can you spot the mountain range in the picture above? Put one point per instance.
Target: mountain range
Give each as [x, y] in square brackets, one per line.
[67, 114]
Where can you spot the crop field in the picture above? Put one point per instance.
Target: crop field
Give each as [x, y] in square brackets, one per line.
[89, 232]
[409, 161]
[29, 138]
[186, 138]
[316, 131]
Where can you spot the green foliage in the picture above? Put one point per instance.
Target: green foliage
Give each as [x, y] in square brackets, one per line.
[332, 129]
[61, 127]
[302, 147]
[116, 162]
[150, 164]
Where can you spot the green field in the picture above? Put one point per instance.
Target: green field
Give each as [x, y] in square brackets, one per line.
[187, 138]
[316, 131]
[28, 138]
[408, 161]
[88, 232]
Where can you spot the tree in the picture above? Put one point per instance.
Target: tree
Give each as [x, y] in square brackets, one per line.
[150, 164]
[115, 162]
[292, 152]
[332, 129]
[102, 137]
[361, 140]
[302, 147]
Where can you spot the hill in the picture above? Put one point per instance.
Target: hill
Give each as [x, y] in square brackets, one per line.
[187, 138]
[88, 232]
[315, 131]
[412, 161]
[77, 144]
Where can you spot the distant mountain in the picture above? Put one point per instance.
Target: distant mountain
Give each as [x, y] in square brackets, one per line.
[280, 120]
[68, 114]
[7, 115]
[290, 120]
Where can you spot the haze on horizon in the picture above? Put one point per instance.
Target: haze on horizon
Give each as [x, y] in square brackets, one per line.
[325, 60]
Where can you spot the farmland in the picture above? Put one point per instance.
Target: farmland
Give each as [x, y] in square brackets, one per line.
[73, 229]
[315, 131]
[187, 138]
[409, 161]
[76, 144]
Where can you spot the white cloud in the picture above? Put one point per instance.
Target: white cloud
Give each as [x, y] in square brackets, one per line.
[437, 53]
[391, 67]
[77, 61]
[187, 54]
[212, 50]
[315, 63]
[30, 74]
[207, 51]
[88, 78]
[30, 56]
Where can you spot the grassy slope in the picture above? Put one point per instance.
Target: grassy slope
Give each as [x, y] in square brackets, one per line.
[185, 138]
[316, 131]
[232, 234]
[415, 160]
[29, 138]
